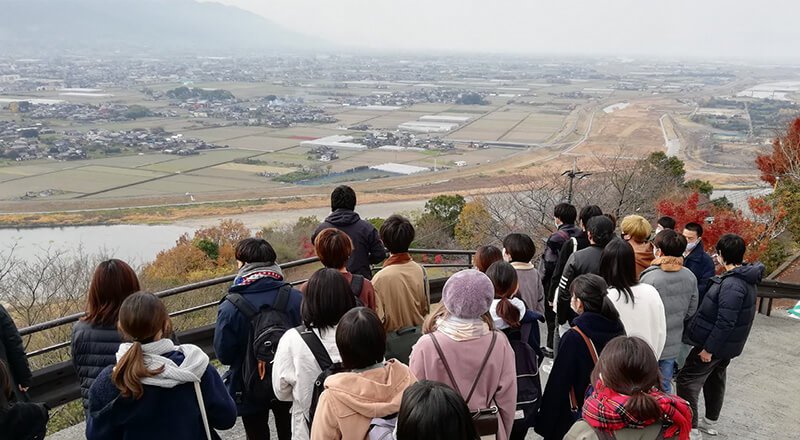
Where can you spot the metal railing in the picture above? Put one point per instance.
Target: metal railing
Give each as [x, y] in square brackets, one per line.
[57, 384]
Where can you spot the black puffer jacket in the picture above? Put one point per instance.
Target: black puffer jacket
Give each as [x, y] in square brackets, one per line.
[367, 245]
[12, 352]
[93, 349]
[724, 318]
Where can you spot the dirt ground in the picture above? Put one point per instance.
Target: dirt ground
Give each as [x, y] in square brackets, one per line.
[760, 403]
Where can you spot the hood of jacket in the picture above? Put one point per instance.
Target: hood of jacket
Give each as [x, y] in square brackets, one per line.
[749, 273]
[597, 327]
[372, 393]
[343, 217]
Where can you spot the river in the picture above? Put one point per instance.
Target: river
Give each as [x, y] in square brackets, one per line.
[139, 244]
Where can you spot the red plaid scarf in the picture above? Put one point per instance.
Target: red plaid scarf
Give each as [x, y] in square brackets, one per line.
[605, 410]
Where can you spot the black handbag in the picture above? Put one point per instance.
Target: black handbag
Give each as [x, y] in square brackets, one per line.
[400, 342]
[485, 420]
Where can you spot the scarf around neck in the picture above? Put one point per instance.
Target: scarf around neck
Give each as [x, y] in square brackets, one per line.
[669, 264]
[605, 410]
[252, 272]
[191, 370]
[460, 329]
[401, 258]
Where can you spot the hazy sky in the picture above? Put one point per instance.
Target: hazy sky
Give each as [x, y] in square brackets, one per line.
[733, 28]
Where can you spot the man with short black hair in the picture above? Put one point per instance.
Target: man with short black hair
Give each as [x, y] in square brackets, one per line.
[400, 286]
[259, 283]
[719, 332]
[696, 259]
[677, 287]
[367, 246]
[665, 222]
[564, 217]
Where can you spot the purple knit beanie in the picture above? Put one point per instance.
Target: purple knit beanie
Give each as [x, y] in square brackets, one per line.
[468, 294]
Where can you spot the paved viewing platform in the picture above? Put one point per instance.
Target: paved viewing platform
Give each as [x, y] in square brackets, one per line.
[761, 398]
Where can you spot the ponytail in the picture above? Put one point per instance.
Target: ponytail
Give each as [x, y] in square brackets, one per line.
[643, 406]
[505, 281]
[608, 310]
[508, 312]
[130, 371]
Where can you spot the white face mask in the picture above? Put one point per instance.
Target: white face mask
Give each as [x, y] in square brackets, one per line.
[659, 229]
[655, 252]
[691, 245]
[575, 305]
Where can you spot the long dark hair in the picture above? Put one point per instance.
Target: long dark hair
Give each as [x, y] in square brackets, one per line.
[112, 282]
[141, 317]
[628, 366]
[328, 296]
[504, 279]
[433, 411]
[592, 290]
[618, 267]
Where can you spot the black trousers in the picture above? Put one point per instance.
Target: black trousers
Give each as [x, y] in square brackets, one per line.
[256, 426]
[550, 318]
[709, 377]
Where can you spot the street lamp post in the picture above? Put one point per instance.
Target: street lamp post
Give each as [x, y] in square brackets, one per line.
[573, 174]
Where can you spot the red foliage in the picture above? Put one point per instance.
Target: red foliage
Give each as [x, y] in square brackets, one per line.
[438, 259]
[785, 157]
[307, 247]
[719, 221]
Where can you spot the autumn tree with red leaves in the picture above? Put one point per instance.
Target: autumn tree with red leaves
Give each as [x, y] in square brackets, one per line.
[781, 169]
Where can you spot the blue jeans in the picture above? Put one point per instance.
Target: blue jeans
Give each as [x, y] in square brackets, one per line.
[667, 368]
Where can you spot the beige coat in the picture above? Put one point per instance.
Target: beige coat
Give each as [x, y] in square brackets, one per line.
[351, 400]
[400, 295]
[582, 431]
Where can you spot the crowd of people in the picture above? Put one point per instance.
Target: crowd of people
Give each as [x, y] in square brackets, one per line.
[347, 355]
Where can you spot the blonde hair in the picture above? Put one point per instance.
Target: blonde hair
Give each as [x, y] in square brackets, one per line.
[636, 227]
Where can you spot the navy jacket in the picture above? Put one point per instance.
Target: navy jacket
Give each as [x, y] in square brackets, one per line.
[725, 317]
[12, 352]
[24, 421]
[94, 348]
[572, 368]
[161, 413]
[551, 251]
[233, 329]
[702, 266]
[367, 245]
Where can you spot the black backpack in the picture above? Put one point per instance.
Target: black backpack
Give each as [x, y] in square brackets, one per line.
[529, 385]
[267, 326]
[328, 367]
[356, 285]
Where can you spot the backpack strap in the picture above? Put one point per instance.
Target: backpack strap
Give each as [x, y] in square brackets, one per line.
[282, 301]
[446, 366]
[450, 372]
[573, 401]
[356, 284]
[315, 345]
[483, 366]
[244, 306]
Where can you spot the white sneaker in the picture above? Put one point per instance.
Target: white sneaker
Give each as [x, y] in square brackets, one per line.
[708, 426]
[695, 434]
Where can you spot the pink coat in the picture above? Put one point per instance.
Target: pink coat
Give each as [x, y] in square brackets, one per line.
[498, 382]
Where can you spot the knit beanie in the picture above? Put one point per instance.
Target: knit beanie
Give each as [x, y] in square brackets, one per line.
[468, 294]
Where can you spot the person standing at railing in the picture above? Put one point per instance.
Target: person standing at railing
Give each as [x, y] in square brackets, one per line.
[95, 338]
[367, 246]
[518, 249]
[19, 420]
[334, 247]
[12, 352]
[401, 290]
[156, 389]
[259, 288]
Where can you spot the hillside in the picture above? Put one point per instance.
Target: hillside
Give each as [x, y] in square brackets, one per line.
[34, 27]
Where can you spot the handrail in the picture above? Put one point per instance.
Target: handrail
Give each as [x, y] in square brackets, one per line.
[69, 319]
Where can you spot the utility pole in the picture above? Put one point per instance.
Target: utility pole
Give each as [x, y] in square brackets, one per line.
[573, 174]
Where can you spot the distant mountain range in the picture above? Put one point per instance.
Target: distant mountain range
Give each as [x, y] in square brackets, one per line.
[141, 26]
